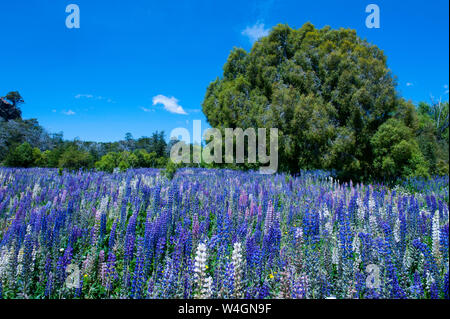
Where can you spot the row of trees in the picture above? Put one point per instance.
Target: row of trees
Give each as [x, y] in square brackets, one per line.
[334, 101]
[74, 158]
[24, 143]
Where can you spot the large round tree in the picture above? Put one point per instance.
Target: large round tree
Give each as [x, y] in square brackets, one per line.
[327, 91]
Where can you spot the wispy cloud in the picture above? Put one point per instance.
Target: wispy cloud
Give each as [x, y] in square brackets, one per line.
[446, 89]
[146, 109]
[409, 84]
[86, 96]
[69, 112]
[255, 32]
[93, 97]
[170, 104]
[194, 110]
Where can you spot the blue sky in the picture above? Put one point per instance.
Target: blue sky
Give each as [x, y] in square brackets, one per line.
[140, 66]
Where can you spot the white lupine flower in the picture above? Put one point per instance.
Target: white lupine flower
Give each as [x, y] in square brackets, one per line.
[236, 257]
[436, 235]
[200, 260]
[335, 256]
[429, 280]
[36, 190]
[133, 183]
[329, 226]
[20, 261]
[407, 259]
[147, 180]
[298, 234]
[396, 231]
[104, 204]
[203, 283]
[5, 257]
[383, 212]
[83, 204]
[371, 204]
[33, 257]
[327, 216]
[361, 210]
[238, 267]
[373, 223]
[395, 209]
[122, 188]
[207, 288]
[356, 246]
[115, 212]
[269, 218]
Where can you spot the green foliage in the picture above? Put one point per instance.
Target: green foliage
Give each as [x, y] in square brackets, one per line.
[144, 159]
[75, 159]
[397, 152]
[126, 160]
[51, 158]
[162, 161]
[327, 91]
[108, 162]
[171, 169]
[23, 156]
[38, 158]
[15, 98]
[432, 136]
[9, 106]
[16, 132]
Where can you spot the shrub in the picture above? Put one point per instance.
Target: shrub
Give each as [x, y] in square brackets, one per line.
[23, 156]
[397, 152]
[75, 159]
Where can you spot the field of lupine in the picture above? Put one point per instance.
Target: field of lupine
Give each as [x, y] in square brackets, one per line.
[219, 234]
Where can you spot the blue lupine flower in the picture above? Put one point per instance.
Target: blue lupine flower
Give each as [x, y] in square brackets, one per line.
[156, 225]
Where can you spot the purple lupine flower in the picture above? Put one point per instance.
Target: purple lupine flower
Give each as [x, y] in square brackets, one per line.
[138, 277]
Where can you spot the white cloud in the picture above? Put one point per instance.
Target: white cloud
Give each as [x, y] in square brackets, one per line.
[69, 112]
[255, 32]
[170, 104]
[146, 109]
[409, 84]
[87, 96]
[446, 89]
[90, 96]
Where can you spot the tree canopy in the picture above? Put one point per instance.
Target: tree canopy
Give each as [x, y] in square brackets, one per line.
[9, 106]
[327, 91]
